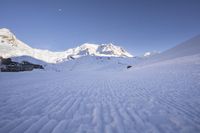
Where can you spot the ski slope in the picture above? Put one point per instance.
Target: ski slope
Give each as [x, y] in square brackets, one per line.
[158, 94]
[160, 97]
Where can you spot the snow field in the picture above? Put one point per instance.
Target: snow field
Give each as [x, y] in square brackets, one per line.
[162, 97]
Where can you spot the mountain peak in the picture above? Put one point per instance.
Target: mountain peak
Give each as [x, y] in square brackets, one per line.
[89, 45]
[7, 35]
[101, 50]
[5, 30]
[10, 46]
[149, 54]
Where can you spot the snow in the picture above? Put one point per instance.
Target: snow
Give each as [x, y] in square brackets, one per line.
[158, 97]
[149, 54]
[10, 46]
[95, 94]
[28, 58]
[187, 48]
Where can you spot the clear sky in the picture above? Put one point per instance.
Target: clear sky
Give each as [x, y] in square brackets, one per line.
[136, 25]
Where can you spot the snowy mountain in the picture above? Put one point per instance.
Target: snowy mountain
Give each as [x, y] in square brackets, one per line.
[149, 54]
[10, 46]
[188, 48]
[99, 50]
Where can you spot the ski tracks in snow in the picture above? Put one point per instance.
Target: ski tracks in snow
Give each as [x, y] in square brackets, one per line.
[95, 104]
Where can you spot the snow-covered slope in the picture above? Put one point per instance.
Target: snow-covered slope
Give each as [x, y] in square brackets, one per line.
[187, 48]
[160, 98]
[10, 46]
[99, 95]
[28, 58]
[93, 63]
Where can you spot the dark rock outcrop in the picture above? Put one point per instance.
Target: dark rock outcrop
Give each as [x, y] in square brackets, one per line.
[10, 66]
[128, 66]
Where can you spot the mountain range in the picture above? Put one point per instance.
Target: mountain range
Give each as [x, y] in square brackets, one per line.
[11, 46]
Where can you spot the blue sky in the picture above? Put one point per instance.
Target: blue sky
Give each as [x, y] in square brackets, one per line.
[136, 25]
